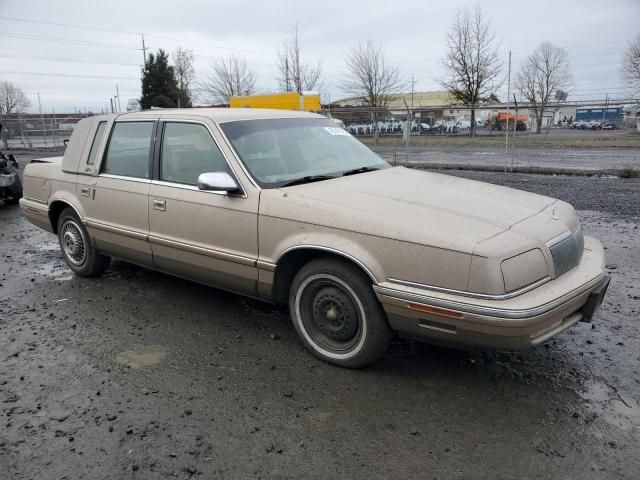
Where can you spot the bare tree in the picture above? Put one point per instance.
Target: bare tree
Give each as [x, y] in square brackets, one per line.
[471, 63]
[631, 65]
[296, 75]
[544, 72]
[12, 99]
[232, 76]
[371, 76]
[184, 75]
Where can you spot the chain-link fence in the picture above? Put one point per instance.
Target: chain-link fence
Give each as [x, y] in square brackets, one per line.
[571, 136]
[37, 132]
[484, 120]
[591, 138]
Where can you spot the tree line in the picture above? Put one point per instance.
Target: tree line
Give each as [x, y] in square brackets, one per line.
[473, 72]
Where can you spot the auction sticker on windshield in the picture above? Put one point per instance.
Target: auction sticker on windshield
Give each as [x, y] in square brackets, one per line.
[336, 131]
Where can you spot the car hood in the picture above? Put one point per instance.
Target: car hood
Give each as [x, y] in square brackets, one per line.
[411, 205]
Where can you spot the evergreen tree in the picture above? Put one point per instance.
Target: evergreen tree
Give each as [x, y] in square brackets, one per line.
[159, 87]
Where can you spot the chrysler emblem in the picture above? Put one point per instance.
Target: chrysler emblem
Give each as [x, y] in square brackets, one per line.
[553, 213]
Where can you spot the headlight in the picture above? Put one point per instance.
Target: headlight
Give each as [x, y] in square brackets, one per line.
[7, 180]
[524, 269]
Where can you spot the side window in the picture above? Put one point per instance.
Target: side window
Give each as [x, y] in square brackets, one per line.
[187, 151]
[128, 150]
[97, 140]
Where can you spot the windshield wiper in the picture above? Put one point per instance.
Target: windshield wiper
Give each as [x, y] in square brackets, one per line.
[307, 179]
[360, 170]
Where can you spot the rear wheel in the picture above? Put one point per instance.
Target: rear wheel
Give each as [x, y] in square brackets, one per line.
[336, 313]
[77, 248]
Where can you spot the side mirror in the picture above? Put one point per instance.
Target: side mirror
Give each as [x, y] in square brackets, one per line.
[217, 182]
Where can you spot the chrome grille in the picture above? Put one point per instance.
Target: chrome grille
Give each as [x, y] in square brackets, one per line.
[567, 253]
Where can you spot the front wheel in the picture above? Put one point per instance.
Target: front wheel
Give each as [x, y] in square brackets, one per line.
[76, 246]
[337, 315]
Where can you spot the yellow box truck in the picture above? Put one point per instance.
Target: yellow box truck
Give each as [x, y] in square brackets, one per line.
[308, 101]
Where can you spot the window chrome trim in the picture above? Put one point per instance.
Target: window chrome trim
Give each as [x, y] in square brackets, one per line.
[165, 120]
[484, 296]
[124, 177]
[186, 186]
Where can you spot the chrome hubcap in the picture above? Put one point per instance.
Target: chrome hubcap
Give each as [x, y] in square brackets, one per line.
[73, 244]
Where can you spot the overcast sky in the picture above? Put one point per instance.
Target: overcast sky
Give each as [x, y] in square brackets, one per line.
[79, 65]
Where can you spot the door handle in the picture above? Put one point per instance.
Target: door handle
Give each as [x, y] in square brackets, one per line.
[159, 205]
[86, 191]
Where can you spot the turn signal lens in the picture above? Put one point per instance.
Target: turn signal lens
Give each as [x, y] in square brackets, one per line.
[436, 310]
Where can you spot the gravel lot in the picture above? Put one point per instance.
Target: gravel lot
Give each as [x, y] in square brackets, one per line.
[141, 375]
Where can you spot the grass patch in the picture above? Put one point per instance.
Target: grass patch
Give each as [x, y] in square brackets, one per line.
[630, 172]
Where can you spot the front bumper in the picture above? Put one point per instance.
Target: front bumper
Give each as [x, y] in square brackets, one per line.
[518, 322]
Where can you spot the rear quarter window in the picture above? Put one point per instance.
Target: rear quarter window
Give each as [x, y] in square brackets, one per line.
[97, 140]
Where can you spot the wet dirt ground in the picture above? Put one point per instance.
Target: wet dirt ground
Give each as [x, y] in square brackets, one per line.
[141, 375]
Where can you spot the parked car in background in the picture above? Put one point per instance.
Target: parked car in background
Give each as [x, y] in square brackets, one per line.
[10, 184]
[286, 207]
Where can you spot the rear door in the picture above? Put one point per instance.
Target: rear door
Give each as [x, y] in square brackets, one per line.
[116, 206]
[207, 236]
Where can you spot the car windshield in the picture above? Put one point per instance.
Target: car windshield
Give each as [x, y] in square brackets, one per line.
[283, 151]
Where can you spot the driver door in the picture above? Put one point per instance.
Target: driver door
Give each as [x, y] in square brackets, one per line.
[206, 236]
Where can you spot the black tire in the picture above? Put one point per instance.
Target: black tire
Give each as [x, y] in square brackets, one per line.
[77, 248]
[336, 313]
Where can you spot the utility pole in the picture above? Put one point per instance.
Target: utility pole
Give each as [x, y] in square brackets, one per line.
[118, 95]
[44, 129]
[506, 137]
[54, 128]
[515, 124]
[606, 105]
[413, 82]
[144, 50]
[111, 101]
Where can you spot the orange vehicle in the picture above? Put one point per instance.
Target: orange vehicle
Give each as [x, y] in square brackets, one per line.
[504, 120]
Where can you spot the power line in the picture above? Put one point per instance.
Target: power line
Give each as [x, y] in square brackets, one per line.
[180, 41]
[33, 92]
[67, 75]
[60, 59]
[66, 40]
[221, 47]
[69, 25]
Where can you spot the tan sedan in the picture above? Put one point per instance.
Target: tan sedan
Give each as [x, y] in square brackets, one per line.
[287, 207]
